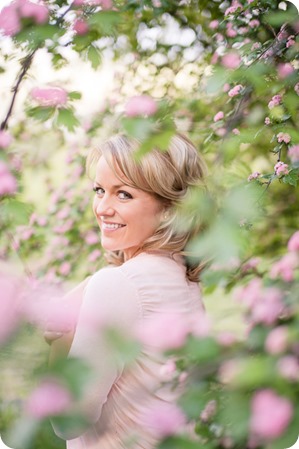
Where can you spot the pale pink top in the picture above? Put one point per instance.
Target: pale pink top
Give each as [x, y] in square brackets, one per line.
[141, 289]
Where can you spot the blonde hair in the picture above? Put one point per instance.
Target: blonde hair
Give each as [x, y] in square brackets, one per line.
[168, 175]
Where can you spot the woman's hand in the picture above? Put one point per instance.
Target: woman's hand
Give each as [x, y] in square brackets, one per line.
[51, 336]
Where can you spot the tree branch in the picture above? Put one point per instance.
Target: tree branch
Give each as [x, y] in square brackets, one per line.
[25, 67]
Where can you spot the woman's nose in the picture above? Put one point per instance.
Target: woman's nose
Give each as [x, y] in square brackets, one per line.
[104, 206]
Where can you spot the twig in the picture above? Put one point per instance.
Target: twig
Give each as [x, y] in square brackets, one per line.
[25, 67]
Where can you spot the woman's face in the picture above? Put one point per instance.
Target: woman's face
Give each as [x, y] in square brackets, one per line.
[127, 216]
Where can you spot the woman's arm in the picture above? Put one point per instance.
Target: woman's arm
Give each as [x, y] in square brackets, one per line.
[110, 301]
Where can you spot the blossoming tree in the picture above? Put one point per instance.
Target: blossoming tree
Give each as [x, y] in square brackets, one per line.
[226, 73]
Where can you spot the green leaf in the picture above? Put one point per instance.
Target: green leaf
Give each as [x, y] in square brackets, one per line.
[105, 22]
[159, 140]
[74, 95]
[280, 17]
[14, 211]
[138, 127]
[40, 113]
[67, 118]
[291, 178]
[180, 442]
[94, 56]
[203, 350]
[235, 414]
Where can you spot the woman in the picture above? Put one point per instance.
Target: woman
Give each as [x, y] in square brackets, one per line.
[147, 279]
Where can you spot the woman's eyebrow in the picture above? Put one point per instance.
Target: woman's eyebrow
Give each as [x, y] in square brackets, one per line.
[114, 186]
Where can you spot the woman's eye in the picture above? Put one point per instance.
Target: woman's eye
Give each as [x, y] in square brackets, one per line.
[124, 195]
[99, 191]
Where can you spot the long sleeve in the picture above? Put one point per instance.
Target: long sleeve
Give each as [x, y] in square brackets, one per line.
[110, 300]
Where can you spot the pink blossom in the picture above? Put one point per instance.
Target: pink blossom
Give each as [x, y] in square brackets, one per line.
[140, 105]
[275, 101]
[214, 24]
[50, 398]
[296, 88]
[152, 332]
[65, 268]
[42, 221]
[209, 411]
[5, 139]
[231, 60]
[61, 229]
[254, 23]
[251, 293]
[236, 131]
[267, 121]
[283, 137]
[282, 35]
[235, 90]
[94, 255]
[243, 30]
[163, 419]
[293, 154]
[290, 43]
[46, 306]
[226, 87]
[256, 46]
[281, 168]
[226, 338]
[37, 11]
[269, 306]
[251, 264]
[229, 370]
[63, 213]
[270, 414]
[293, 243]
[285, 70]
[168, 370]
[8, 183]
[268, 53]
[253, 175]
[81, 27]
[288, 367]
[9, 20]
[215, 58]
[232, 9]
[277, 340]
[26, 233]
[91, 238]
[218, 116]
[221, 131]
[49, 97]
[231, 32]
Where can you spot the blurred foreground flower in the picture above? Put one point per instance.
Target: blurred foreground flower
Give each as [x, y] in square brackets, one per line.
[5, 139]
[271, 414]
[50, 398]
[8, 183]
[164, 419]
[11, 15]
[140, 105]
[49, 97]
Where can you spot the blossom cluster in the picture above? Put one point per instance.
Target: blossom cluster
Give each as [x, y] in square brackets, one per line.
[11, 15]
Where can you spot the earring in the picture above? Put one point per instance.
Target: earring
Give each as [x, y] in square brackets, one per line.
[166, 216]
